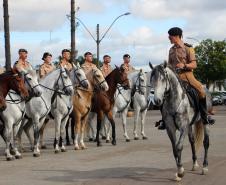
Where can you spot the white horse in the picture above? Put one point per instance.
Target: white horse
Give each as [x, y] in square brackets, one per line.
[12, 116]
[123, 97]
[38, 108]
[62, 107]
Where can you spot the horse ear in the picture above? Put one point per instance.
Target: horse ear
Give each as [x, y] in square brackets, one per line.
[141, 70]
[73, 65]
[165, 64]
[150, 65]
[116, 67]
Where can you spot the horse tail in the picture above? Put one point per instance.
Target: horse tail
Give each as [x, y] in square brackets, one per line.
[199, 134]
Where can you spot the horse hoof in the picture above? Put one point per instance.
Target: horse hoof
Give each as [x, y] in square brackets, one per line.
[136, 138]
[10, 158]
[99, 144]
[76, 148]
[104, 137]
[43, 147]
[36, 155]
[107, 141]
[63, 150]
[177, 178]
[12, 152]
[145, 137]
[204, 171]
[113, 142]
[180, 174]
[18, 157]
[127, 140]
[90, 139]
[57, 151]
[83, 147]
[195, 167]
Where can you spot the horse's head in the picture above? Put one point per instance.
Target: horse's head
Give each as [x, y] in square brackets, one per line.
[99, 79]
[159, 81]
[17, 84]
[140, 82]
[31, 82]
[121, 77]
[78, 76]
[64, 82]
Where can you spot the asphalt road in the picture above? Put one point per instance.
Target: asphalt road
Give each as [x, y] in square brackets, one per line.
[140, 162]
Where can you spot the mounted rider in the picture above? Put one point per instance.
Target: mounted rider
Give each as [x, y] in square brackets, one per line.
[126, 61]
[182, 59]
[106, 68]
[65, 59]
[47, 65]
[88, 64]
[22, 65]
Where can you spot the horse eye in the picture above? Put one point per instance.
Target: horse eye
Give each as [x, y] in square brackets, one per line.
[98, 76]
[78, 74]
[29, 78]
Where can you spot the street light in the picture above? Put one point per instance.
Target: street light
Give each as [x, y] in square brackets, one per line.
[98, 40]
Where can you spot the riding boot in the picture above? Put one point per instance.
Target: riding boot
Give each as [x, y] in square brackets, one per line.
[204, 114]
[160, 124]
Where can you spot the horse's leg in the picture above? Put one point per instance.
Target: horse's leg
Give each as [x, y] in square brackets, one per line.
[57, 120]
[8, 136]
[107, 124]
[206, 147]
[15, 149]
[124, 114]
[103, 129]
[62, 128]
[110, 118]
[36, 152]
[99, 120]
[143, 115]
[42, 143]
[136, 118]
[27, 128]
[192, 142]
[77, 130]
[83, 126]
[67, 134]
[90, 130]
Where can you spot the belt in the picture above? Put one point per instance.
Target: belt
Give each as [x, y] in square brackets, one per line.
[182, 70]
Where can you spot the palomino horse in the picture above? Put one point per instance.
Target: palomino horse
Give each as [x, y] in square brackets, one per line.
[12, 116]
[178, 115]
[38, 108]
[11, 80]
[82, 104]
[103, 102]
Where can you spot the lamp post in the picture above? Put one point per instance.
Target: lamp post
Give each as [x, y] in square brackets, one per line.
[98, 39]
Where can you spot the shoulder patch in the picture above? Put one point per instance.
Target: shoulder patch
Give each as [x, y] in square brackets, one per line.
[188, 45]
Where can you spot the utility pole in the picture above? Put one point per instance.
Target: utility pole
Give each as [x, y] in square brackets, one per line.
[98, 45]
[7, 35]
[73, 51]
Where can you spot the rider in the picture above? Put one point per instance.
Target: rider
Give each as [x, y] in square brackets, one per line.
[65, 61]
[88, 64]
[47, 65]
[126, 60]
[22, 65]
[182, 59]
[106, 68]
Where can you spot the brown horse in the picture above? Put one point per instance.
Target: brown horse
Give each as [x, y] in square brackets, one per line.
[11, 80]
[82, 104]
[103, 102]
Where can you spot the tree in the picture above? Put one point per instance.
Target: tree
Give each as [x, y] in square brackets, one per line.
[211, 61]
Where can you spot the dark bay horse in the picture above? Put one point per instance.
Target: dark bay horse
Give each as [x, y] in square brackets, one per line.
[103, 101]
[11, 80]
[178, 115]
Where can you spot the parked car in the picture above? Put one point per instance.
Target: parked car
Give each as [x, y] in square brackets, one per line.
[217, 100]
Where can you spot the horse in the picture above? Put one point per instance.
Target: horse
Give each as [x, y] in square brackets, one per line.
[122, 102]
[82, 105]
[178, 115]
[12, 116]
[11, 80]
[38, 108]
[62, 107]
[103, 102]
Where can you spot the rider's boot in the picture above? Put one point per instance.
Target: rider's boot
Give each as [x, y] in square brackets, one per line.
[204, 114]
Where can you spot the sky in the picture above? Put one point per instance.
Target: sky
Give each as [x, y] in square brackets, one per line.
[41, 26]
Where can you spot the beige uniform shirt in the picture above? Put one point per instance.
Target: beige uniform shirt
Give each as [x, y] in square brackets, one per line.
[87, 67]
[128, 68]
[45, 68]
[22, 66]
[181, 54]
[2, 70]
[106, 69]
[66, 65]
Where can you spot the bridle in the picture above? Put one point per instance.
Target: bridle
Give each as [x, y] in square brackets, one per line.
[27, 81]
[99, 83]
[139, 86]
[76, 76]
